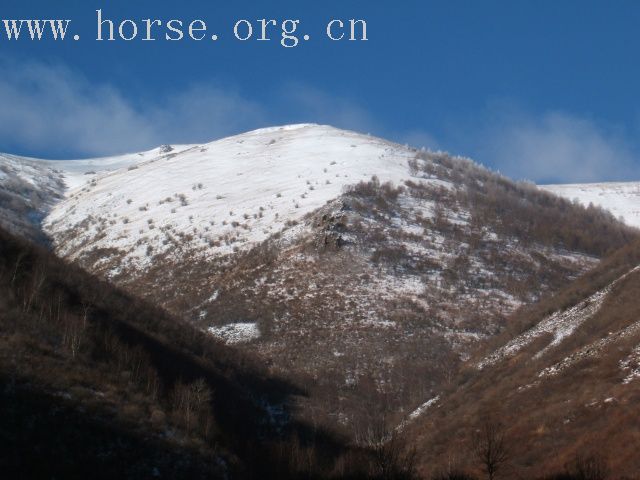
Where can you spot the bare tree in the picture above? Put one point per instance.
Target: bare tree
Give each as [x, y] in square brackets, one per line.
[589, 467]
[393, 459]
[453, 475]
[16, 270]
[38, 279]
[490, 447]
[191, 404]
[73, 335]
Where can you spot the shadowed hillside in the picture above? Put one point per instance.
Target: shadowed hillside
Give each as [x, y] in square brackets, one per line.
[96, 384]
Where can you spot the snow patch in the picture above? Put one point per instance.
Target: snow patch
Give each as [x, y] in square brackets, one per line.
[621, 199]
[631, 366]
[418, 412]
[234, 333]
[560, 325]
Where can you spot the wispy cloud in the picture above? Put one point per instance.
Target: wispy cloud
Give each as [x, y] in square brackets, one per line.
[48, 106]
[317, 106]
[550, 147]
[201, 113]
[54, 109]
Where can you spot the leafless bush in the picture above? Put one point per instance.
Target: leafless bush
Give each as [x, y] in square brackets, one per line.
[191, 405]
[588, 467]
[453, 475]
[491, 447]
[392, 457]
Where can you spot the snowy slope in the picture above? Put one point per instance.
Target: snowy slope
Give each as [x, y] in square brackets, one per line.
[30, 187]
[621, 199]
[77, 172]
[558, 326]
[28, 190]
[221, 196]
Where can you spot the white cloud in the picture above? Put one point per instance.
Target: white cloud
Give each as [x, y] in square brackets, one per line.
[54, 109]
[50, 107]
[202, 113]
[552, 147]
[313, 105]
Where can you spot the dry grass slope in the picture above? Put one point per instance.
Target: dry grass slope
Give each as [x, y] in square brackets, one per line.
[570, 407]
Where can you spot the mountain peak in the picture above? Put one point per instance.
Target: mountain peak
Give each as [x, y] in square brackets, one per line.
[285, 128]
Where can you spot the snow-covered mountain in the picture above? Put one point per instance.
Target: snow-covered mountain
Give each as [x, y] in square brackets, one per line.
[30, 188]
[622, 199]
[372, 268]
[219, 197]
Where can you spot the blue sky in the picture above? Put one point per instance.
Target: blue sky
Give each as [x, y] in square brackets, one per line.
[540, 90]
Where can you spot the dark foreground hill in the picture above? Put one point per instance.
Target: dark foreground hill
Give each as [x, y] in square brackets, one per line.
[95, 384]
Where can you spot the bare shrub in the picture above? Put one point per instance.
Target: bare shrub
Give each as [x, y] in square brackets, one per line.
[588, 467]
[392, 457]
[191, 405]
[490, 447]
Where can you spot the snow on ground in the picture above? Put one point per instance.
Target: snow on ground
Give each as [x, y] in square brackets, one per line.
[423, 408]
[222, 196]
[40, 176]
[418, 412]
[28, 190]
[621, 199]
[631, 365]
[79, 172]
[234, 333]
[560, 325]
[593, 350]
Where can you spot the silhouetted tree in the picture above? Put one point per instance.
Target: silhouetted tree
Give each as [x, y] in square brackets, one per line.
[490, 447]
[393, 459]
